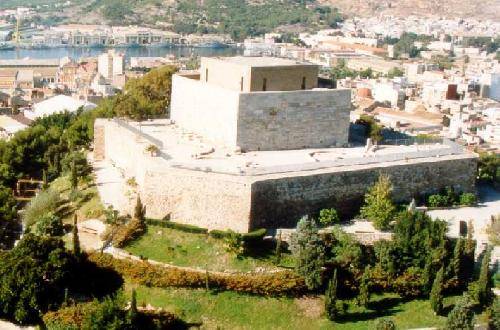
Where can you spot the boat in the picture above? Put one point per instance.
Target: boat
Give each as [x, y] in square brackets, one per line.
[210, 44]
[4, 46]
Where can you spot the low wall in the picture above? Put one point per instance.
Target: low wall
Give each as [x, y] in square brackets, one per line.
[280, 201]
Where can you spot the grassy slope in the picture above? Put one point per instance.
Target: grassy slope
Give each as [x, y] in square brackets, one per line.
[229, 310]
[195, 250]
[87, 205]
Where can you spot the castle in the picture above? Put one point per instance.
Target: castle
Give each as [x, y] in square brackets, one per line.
[252, 142]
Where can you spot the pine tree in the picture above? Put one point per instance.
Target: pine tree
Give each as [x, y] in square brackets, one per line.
[378, 206]
[436, 298]
[74, 176]
[484, 280]
[364, 288]
[428, 274]
[76, 239]
[309, 252]
[331, 298]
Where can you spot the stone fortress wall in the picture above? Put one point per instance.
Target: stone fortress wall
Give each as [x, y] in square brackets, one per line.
[242, 203]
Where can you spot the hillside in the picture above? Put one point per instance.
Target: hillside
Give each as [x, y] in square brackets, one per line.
[483, 9]
[242, 18]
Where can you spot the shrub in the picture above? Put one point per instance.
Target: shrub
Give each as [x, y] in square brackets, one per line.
[274, 284]
[467, 199]
[179, 226]
[378, 206]
[234, 243]
[45, 202]
[48, 225]
[461, 316]
[328, 217]
[129, 232]
[385, 324]
[219, 234]
[437, 200]
[108, 313]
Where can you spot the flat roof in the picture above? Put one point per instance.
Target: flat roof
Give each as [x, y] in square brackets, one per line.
[260, 61]
[30, 62]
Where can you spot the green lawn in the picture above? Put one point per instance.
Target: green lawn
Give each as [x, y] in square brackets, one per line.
[197, 250]
[230, 310]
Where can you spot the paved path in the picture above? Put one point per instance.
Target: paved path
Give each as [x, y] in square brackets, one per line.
[480, 216]
[112, 186]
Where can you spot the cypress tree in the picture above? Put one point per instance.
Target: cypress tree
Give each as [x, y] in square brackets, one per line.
[470, 249]
[457, 269]
[436, 298]
[364, 288]
[74, 175]
[133, 307]
[331, 298]
[139, 210]
[278, 249]
[45, 183]
[484, 280]
[76, 239]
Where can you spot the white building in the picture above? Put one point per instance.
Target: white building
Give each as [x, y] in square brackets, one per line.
[57, 104]
[111, 64]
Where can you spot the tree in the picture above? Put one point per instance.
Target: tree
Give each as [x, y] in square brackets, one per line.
[436, 298]
[331, 298]
[457, 263]
[133, 313]
[278, 249]
[49, 225]
[8, 217]
[147, 96]
[328, 217]
[139, 210]
[484, 280]
[461, 316]
[33, 276]
[309, 252]
[364, 288]
[395, 72]
[76, 239]
[378, 206]
[488, 168]
[74, 176]
[469, 253]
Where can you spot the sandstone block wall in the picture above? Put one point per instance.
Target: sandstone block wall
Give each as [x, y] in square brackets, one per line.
[261, 120]
[99, 146]
[293, 120]
[281, 201]
[205, 109]
[206, 200]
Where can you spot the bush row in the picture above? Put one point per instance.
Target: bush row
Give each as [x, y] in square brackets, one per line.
[177, 226]
[109, 314]
[256, 235]
[270, 284]
[449, 197]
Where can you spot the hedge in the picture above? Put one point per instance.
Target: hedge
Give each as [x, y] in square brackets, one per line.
[178, 226]
[283, 283]
[256, 235]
